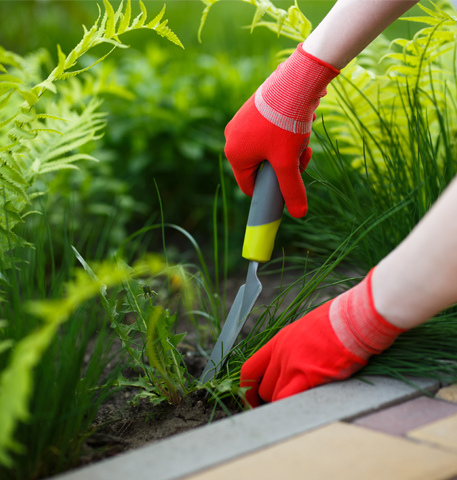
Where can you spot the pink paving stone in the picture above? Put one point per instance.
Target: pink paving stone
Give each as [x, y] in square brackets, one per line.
[399, 419]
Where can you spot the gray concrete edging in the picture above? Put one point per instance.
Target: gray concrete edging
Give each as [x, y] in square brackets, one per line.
[210, 445]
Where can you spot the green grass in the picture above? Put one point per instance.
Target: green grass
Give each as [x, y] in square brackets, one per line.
[68, 383]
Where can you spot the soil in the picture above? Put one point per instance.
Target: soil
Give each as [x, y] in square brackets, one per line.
[120, 426]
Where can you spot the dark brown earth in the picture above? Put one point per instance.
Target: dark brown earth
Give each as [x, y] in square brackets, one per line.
[120, 427]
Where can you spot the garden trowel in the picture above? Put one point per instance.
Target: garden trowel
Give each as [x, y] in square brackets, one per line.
[264, 218]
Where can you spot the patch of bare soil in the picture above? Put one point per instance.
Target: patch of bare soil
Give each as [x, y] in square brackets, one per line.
[120, 427]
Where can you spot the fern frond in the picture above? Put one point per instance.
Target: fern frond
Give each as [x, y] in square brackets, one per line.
[125, 17]
[291, 24]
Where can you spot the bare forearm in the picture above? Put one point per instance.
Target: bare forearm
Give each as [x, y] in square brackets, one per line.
[350, 26]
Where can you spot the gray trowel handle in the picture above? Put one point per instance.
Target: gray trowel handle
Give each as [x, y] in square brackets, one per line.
[265, 215]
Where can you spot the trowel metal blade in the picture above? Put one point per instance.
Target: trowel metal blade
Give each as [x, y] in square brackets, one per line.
[241, 308]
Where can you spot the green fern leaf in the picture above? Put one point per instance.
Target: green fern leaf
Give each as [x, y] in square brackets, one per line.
[16, 190]
[281, 19]
[9, 79]
[5, 86]
[8, 147]
[13, 176]
[156, 20]
[209, 4]
[258, 14]
[8, 216]
[144, 14]
[55, 164]
[30, 97]
[118, 14]
[58, 167]
[67, 75]
[110, 30]
[50, 117]
[7, 121]
[427, 20]
[9, 160]
[299, 21]
[44, 85]
[167, 33]
[125, 18]
[5, 99]
[19, 133]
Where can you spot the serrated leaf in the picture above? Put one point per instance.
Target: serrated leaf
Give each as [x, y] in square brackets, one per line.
[5, 99]
[60, 64]
[68, 160]
[58, 167]
[12, 175]
[48, 130]
[8, 216]
[125, 18]
[166, 32]
[156, 20]
[110, 21]
[19, 133]
[427, 20]
[67, 75]
[258, 14]
[8, 147]
[9, 79]
[144, 15]
[209, 4]
[118, 13]
[5, 86]
[45, 85]
[8, 120]
[52, 117]
[20, 192]
[30, 97]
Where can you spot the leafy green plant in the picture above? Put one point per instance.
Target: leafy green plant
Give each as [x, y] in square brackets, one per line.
[422, 75]
[29, 135]
[49, 389]
[291, 23]
[39, 135]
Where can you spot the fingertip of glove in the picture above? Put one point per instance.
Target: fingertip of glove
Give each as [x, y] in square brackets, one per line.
[297, 211]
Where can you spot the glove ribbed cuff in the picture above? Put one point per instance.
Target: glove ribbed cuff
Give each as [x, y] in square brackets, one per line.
[357, 324]
[290, 95]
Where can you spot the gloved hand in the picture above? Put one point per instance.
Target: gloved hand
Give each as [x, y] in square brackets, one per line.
[275, 125]
[329, 343]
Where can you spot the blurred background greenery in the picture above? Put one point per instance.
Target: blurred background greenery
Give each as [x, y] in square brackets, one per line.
[167, 111]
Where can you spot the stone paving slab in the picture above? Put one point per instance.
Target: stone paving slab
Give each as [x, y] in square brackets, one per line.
[399, 419]
[448, 393]
[442, 433]
[253, 430]
[340, 451]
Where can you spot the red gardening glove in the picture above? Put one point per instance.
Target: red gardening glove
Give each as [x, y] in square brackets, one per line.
[275, 125]
[329, 343]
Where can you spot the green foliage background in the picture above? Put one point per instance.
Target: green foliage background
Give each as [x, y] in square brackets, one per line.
[166, 109]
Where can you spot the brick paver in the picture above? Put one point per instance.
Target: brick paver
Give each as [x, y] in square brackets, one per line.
[343, 451]
[400, 419]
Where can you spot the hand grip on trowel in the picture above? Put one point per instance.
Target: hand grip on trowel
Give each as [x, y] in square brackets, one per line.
[265, 215]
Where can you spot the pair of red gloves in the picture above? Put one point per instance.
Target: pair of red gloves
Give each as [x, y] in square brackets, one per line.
[335, 340]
